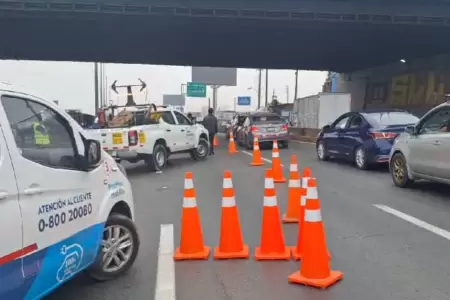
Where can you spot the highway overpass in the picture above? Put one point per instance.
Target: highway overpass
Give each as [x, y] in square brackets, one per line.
[323, 35]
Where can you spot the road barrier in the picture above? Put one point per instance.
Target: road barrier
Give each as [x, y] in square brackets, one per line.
[303, 207]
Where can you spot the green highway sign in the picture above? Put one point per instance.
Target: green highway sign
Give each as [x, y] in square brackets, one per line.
[195, 89]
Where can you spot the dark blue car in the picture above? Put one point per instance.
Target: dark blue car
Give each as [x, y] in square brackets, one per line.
[364, 138]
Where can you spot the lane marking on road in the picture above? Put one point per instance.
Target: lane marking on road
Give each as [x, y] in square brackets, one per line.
[263, 158]
[434, 229]
[165, 277]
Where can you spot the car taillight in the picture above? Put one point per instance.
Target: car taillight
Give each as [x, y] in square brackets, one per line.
[253, 129]
[383, 135]
[132, 138]
[284, 127]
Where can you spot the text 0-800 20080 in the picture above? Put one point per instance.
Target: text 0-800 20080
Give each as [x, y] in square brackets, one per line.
[61, 218]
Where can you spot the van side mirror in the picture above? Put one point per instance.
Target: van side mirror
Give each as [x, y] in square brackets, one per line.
[93, 153]
[411, 129]
[326, 127]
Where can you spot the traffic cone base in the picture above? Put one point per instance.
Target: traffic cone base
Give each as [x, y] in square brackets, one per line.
[322, 283]
[286, 255]
[289, 220]
[192, 256]
[256, 164]
[298, 256]
[245, 253]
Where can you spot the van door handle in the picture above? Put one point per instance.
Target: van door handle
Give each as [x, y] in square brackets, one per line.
[182, 130]
[168, 130]
[437, 143]
[32, 191]
[3, 195]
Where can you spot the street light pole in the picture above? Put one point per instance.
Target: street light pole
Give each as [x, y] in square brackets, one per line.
[259, 88]
[296, 85]
[96, 88]
[267, 87]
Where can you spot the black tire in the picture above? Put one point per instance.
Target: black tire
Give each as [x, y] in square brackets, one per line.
[152, 160]
[322, 154]
[96, 271]
[360, 158]
[196, 155]
[402, 181]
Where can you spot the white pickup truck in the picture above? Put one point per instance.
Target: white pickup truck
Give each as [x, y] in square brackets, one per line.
[153, 136]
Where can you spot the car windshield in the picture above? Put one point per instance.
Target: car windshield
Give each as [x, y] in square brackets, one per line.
[391, 118]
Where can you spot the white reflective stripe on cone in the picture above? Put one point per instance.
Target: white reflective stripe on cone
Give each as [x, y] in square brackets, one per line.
[189, 202]
[302, 200]
[311, 193]
[294, 183]
[293, 168]
[268, 183]
[313, 215]
[227, 183]
[255, 148]
[270, 201]
[275, 146]
[275, 154]
[305, 182]
[188, 184]
[228, 202]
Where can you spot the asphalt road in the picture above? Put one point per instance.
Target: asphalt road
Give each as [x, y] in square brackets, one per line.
[382, 255]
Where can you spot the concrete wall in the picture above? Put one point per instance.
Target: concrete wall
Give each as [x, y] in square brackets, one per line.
[415, 86]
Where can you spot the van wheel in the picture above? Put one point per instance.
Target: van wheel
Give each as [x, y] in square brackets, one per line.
[158, 160]
[202, 150]
[118, 249]
[360, 159]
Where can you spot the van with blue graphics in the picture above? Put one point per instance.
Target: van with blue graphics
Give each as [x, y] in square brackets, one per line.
[65, 205]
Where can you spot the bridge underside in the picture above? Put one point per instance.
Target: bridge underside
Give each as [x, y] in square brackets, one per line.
[214, 41]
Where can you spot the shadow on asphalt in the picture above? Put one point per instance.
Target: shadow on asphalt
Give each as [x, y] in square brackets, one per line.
[140, 168]
[382, 168]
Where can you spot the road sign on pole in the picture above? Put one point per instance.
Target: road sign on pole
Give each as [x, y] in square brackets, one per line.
[244, 100]
[195, 89]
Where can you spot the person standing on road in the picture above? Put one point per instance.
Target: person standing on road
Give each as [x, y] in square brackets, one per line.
[210, 123]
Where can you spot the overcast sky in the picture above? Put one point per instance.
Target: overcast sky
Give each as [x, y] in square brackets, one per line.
[72, 83]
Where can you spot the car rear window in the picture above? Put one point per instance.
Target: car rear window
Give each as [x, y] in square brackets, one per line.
[391, 118]
[270, 118]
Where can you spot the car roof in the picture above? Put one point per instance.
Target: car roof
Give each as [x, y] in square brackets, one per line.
[382, 110]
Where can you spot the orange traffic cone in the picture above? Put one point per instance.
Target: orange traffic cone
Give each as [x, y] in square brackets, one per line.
[191, 244]
[216, 141]
[231, 243]
[257, 157]
[272, 238]
[315, 267]
[310, 193]
[292, 214]
[276, 164]
[231, 145]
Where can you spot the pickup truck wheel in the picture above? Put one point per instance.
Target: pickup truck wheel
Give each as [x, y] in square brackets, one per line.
[202, 150]
[118, 250]
[158, 160]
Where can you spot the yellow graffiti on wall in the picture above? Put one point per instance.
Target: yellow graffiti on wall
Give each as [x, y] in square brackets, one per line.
[415, 90]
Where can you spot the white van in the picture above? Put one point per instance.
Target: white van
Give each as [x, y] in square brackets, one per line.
[65, 205]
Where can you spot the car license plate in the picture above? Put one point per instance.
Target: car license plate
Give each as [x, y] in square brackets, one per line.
[117, 138]
[270, 129]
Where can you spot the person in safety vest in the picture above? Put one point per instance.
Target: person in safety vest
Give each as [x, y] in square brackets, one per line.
[41, 136]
